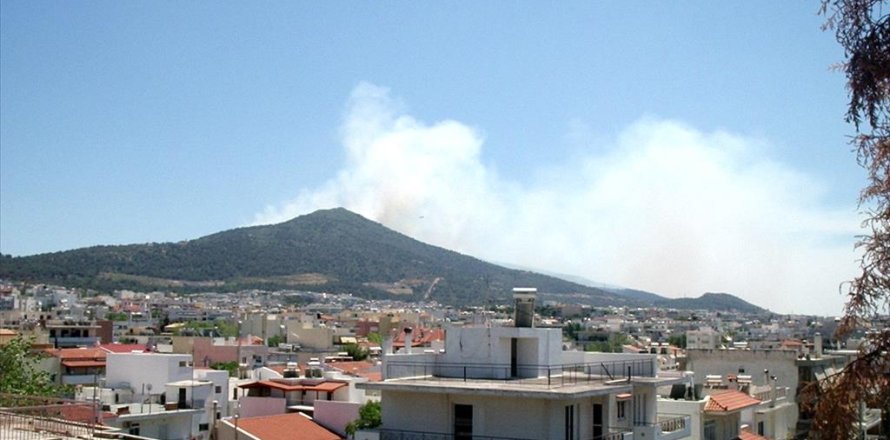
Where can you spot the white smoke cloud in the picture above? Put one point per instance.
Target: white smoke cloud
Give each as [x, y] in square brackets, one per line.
[664, 207]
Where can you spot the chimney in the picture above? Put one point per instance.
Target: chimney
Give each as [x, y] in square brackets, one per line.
[524, 314]
[409, 340]
[817, 345]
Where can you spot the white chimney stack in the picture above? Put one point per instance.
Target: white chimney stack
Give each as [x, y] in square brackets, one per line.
[524, 313]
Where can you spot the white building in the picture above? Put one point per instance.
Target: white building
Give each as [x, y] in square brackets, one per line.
[156, 395]
[516, 382]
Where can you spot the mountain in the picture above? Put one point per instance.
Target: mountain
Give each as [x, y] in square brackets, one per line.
[329, 250]
[708, 301]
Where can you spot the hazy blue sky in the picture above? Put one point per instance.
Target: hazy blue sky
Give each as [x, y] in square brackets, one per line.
[679, 147]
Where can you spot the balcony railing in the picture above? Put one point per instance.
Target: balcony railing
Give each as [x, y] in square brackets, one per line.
[672, 424]
[26, 418]
[394, 434]
[766, 396]
[547, 375]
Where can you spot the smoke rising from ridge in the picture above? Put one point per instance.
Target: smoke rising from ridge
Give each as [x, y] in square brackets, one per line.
[664, 207]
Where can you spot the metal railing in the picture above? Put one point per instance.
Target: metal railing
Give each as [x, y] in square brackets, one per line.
[32, 418]
[549, 375]
[673, 424]
[396, 434]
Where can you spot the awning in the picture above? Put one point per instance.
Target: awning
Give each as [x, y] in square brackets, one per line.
[623, 396]
[83, 364]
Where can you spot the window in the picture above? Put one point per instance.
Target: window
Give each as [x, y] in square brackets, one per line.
[181, 364]
[570, 422]
[761, 429]
[622, 409]
[218, 389]
[204, 427]
[710, 430]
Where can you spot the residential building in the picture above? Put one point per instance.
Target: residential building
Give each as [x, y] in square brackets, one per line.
[517, 382]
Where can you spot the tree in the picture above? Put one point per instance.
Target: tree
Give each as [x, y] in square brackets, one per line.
[357, 352]
[863, 30]
[369, 417]
[21, 370]
[274, 340]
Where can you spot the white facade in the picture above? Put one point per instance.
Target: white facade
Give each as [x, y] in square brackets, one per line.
[146, 373]
[514, 382]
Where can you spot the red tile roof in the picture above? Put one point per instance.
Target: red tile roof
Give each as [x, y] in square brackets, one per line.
[748, 435]
[327, 386]
[83, 364]
[77, 353]
[420, 337]
[294, 426]
[366, 369]
[729, 401]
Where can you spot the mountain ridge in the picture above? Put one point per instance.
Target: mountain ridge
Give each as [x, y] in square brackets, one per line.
[332, 250]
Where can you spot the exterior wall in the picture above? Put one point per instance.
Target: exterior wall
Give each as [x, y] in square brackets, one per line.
[692, 408]
[779, 422]
[138, 369]
[479, 345]
[261, 406]
[315, 338]
[779, 363]
[335, 415]
[161, 426]
[509, 417]
[220, 380]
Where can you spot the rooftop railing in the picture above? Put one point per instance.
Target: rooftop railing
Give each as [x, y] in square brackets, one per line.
[524, 374]
[396, 434]
[27, 417]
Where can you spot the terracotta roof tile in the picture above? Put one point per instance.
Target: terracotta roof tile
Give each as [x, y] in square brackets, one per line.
[294, 426]
[748, 435]
[729, 401]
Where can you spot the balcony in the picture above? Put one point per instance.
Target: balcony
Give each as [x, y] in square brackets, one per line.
[80, 379]
[549, 376]
[668, 428]
[393, 434]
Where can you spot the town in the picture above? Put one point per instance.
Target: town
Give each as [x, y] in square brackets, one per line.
[272, 365]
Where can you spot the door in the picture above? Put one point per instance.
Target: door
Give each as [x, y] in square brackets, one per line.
[463, 422]
[597, 421]
[514, 358]
[181, 401]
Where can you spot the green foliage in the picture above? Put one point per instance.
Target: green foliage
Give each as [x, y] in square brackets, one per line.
[356, 352]
[116, 316]
[225, 328]
[571, 330]
[369, 417]
[231, 367]
[375, 338]
[21, 373]
[614, 344]
[274, 340]
[678, 340]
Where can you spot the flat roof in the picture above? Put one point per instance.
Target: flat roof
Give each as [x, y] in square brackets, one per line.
[505, 388]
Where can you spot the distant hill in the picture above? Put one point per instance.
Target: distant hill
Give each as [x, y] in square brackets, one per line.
[708, 301]
[329, 250]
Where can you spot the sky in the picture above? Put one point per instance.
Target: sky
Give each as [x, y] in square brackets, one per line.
[678, 148]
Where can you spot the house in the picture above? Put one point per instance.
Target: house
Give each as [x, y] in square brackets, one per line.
[157, 395]
[75, 366]
[714, 417]
[517, 382]
[294, 426]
